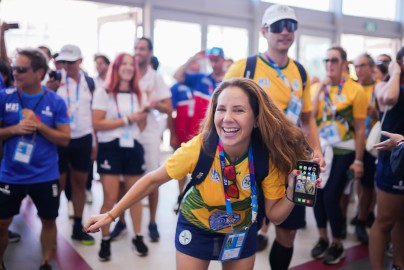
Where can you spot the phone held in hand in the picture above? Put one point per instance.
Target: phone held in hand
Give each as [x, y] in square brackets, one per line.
[305, 188]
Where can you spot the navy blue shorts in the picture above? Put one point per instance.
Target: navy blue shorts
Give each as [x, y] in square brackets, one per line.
[77, 154]
[44, 195]
[207, 245]
[296, 220]
[369, 174]
[113, 159]
[386, 180]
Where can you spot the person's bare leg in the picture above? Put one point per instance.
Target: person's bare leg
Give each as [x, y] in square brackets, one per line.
[48, 239]
[186, 262]
[110, 186]
[4, 224]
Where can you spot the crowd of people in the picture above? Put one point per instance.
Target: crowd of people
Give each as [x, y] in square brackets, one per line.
[255, 118]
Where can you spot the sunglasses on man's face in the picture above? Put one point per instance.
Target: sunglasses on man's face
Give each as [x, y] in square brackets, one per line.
[67, 62]
[230, 174]
[277, 27]
[332, 60]
[20, 70]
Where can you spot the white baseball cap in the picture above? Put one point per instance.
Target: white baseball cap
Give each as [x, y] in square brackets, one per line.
[69, 53]
[276, 13]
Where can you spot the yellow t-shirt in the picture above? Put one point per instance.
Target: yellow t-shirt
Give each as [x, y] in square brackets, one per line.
[204, 205]
[351, 103]
[267, 77]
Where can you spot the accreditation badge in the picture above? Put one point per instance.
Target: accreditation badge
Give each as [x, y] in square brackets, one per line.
[24, 150]
[233, 244]
[331, 134]
[126, 139]
[294, 109]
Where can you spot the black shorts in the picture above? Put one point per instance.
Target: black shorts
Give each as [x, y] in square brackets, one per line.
[113, 159]
[44, 195]
[369, 170]
[77, 154]
[296, 219]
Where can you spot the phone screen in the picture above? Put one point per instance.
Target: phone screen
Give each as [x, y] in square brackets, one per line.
[305, 190]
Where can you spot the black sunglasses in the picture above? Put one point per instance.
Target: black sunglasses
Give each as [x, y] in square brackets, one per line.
[67, 62]
[20, 70]
[333, 60]
[277, 27]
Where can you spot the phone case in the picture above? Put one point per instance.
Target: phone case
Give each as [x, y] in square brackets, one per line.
[305, 189]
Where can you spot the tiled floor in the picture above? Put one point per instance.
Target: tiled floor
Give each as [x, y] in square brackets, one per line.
[72, 255]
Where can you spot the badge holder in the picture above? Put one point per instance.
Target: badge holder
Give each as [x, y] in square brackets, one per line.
[233, 244]
[126, 139]
[73, 117]
[331, 134]
[294, 109]
[24, 150]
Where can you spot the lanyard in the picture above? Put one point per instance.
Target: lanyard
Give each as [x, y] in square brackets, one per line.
[68, 90]
[278, 70]
[118, 112]
[254, 201]
[328, 102]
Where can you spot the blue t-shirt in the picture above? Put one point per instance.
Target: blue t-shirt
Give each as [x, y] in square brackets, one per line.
[43, 166]
[200, 82]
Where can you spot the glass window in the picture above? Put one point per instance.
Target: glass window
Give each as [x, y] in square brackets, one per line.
[323, 5]
[311, 54]
[233, 40]
[174, 43]
[356, 45]
[370, 8]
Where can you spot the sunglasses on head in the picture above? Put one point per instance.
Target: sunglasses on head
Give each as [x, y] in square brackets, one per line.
[333, 60]
[230, 174]
[20, 69]
[277, 27]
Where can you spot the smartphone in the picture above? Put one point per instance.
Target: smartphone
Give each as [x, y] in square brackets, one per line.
[56, 75]
[13, 25]
[305, 188]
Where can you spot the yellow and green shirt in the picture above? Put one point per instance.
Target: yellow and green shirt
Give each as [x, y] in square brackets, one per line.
[267, 77]
[204, 205]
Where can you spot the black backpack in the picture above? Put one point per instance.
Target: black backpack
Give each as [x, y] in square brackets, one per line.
[205, 161]
[252, 62]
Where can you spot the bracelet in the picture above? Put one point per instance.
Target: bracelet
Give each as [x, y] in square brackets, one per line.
[125, 120]
[110, 216]
[399, 142]
[286, 195]
[359, 162]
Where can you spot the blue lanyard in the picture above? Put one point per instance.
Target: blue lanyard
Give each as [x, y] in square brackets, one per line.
[278, 70]
[68, 90]
[117, 106]
[36, 105]
[328, 102]
[254, 201]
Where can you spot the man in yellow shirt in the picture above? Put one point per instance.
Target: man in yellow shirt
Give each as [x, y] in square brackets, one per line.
[281, 77]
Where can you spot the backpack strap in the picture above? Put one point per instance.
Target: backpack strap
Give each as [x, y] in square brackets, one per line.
[303, 73]
[250, 67]
[90, 83]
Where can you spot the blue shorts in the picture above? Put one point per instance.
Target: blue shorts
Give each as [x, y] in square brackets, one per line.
[207, 245]
[386, 180]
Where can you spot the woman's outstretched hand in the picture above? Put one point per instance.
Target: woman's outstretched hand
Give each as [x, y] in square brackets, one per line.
[95, 222]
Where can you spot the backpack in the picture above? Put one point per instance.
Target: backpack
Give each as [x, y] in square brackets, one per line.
[90, 83]
[252, 62]
[206, 158]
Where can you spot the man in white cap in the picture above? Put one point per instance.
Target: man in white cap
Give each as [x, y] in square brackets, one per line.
[287, 82]
[76, 90]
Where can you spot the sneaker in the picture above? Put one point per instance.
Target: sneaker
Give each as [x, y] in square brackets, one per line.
[45, 266]
[334, 254]
[153, 232]
[13, 237]
[80, 235]
[262, 242]
[105, 251]
[118, 231]
[389, 249]
[319, 249]
[141, 248]
[361, 233]
[89, 197]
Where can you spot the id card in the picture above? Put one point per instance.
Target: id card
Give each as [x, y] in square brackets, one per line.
[73, 120]
[126, 139]
[24, 150]
[233, 245]
[331, 134]
[294, 109]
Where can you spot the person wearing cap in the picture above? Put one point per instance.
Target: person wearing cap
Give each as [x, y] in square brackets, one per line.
[33, 120]
[202, 84]
[75, 91]
[283, 79]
